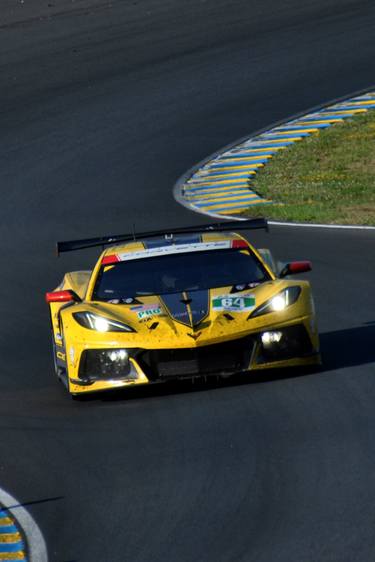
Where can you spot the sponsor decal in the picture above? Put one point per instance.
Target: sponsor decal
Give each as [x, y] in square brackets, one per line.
[193, 312]
[72, 356]
[232, 303]
[147, 311]
[175, 249]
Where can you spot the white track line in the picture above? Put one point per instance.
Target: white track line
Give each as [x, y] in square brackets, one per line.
[276, 223]
[34, 538]
[313, 225]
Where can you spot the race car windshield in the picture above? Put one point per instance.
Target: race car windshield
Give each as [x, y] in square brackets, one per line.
[178, 272]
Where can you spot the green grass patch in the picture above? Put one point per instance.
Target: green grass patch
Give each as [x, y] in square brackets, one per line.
[328, 177]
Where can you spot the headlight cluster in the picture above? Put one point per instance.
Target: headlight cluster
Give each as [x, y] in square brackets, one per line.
[279, 302]
[100, 323]
[105, 364]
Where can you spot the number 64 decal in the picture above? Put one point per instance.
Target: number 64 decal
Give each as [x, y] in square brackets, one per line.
[233, 303]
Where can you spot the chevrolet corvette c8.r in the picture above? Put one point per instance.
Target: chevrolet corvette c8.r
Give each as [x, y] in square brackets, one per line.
[184, 303]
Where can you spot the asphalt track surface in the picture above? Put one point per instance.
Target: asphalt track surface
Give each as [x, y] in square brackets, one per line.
[103, 105]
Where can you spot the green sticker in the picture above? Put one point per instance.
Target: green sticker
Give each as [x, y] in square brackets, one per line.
[233, 304]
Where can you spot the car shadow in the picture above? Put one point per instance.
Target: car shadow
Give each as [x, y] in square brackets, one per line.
[340, 349]
[348, 348]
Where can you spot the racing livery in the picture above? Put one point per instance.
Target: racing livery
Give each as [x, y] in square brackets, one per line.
[189, 302]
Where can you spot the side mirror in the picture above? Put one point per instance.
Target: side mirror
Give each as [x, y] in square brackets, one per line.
[295, 267]
[62, 296]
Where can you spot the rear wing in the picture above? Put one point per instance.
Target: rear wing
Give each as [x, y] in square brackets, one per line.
[251, 224]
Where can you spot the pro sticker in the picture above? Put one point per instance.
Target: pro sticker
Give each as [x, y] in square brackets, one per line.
[147, 311]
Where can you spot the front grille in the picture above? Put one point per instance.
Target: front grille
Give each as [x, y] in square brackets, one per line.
[219, 358]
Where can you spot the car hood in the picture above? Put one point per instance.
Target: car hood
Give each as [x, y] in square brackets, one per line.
[187, 319]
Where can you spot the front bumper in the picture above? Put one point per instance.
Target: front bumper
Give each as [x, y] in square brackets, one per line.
[297, 346]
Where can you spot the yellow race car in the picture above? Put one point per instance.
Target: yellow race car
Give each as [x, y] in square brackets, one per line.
[190, 302]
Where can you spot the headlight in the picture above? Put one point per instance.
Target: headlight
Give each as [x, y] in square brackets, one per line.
[279, 302]
[99, 323]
